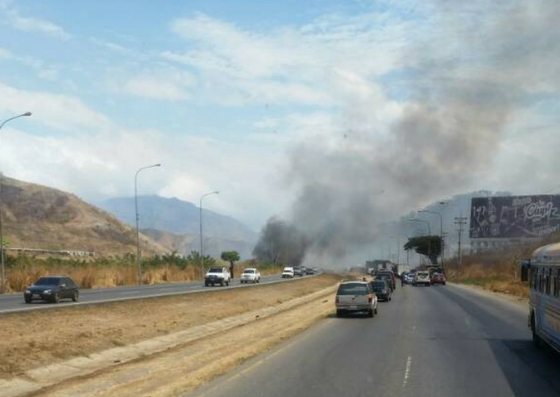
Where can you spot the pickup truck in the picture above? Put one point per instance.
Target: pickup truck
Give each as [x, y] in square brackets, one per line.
[217, 275]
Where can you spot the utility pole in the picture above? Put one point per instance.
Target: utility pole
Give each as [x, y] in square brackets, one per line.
[460, 221]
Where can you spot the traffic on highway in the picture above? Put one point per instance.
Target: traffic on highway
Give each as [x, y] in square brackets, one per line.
[16, 302]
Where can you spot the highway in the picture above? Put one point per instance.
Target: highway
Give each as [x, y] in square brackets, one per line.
[14, 302]
[440, 341]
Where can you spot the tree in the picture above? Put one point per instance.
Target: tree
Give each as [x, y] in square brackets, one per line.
[231, 257]
[429, 246]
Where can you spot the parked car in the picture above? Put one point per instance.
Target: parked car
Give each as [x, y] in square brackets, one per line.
[422, 277]
[217, 275]
[309, 271]
[250, 275]
[438, 278]
[288, 272]
[389, 277]
[355, 297]
[381, 289]
[52, 289]
[298, 271]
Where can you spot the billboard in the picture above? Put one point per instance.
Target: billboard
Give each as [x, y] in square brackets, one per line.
[514, 216]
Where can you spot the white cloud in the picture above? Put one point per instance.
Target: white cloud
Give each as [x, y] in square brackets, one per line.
[57, 111]
[29, 24]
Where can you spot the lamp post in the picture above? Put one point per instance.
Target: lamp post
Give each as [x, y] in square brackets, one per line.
[440, 230]
[138, 265]
[201, 242]
[26, 114]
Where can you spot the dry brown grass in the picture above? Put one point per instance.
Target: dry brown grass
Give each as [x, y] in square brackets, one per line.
[90, 275]
[497, 270]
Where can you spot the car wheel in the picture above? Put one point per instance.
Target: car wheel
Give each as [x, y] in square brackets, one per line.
[371, 313]
[375, 310]
[443, 284]
[28, 300]
[56, 298]
[227, 283]
[339, 313]
[75, 296]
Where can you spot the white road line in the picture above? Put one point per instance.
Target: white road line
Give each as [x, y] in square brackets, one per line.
[407, 371]
[413, 328]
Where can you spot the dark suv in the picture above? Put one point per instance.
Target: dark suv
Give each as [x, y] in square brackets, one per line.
[52, 289]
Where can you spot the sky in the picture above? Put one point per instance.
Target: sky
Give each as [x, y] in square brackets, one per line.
[277, 104]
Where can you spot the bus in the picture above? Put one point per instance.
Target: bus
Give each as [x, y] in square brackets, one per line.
[543, 274]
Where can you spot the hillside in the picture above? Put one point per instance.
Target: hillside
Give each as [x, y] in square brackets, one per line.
[40, 217]
[175, 224]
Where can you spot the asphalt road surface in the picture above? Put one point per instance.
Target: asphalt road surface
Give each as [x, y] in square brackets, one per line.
[440, 341]
[14, 302]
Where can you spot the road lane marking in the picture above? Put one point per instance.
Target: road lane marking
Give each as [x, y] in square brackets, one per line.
[407, 371]
[413, 328]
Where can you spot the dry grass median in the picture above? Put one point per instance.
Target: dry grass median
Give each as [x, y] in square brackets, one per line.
[33, 339]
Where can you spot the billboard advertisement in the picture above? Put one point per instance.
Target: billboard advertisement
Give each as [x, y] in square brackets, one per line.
[514, 216]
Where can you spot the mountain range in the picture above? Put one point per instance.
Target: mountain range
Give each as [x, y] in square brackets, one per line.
[176, 224]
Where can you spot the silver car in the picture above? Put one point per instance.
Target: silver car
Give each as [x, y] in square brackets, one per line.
[355, 297]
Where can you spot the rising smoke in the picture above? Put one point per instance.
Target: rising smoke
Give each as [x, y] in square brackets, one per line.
[469, 76]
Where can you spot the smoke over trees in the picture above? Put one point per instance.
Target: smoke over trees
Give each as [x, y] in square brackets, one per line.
[385, 156]
[280, 243]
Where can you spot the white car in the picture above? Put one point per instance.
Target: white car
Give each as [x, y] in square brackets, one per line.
[422, 278]
[354, 297]
[288, 272]
[250, 275]
[217, 275]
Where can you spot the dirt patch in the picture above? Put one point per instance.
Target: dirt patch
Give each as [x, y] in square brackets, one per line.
[33, 339]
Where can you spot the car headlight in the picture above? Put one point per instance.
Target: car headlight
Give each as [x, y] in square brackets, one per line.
[47, 291]
[27, 292]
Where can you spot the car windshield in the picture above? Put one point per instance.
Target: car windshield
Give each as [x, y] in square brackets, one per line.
[48, 281]
[249, 271]
[215, 270]
[378, 284]
[352, 289]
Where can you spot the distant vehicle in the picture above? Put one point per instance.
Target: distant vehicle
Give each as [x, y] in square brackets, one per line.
[298, 271]
[422, 277]
[438, 278]
[355, 297]
[52, 289]
[389, 276]
[381, 289]
[309, 271]
[543, 274]
[217, 275]
[288, 272]
[250, 275]
[409, 278]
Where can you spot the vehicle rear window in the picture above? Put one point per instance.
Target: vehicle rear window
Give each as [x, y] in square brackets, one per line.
[248, 271]
[423, 274]
[48, 281]
[215, 270]
[378, 284]
[352, 289]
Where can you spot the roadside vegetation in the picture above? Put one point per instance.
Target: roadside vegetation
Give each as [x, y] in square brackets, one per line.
[114, 271]
[496, 270]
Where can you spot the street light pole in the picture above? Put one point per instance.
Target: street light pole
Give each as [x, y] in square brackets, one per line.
[201, 239]
[138, 264]
[440, 231]
[26, 114]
